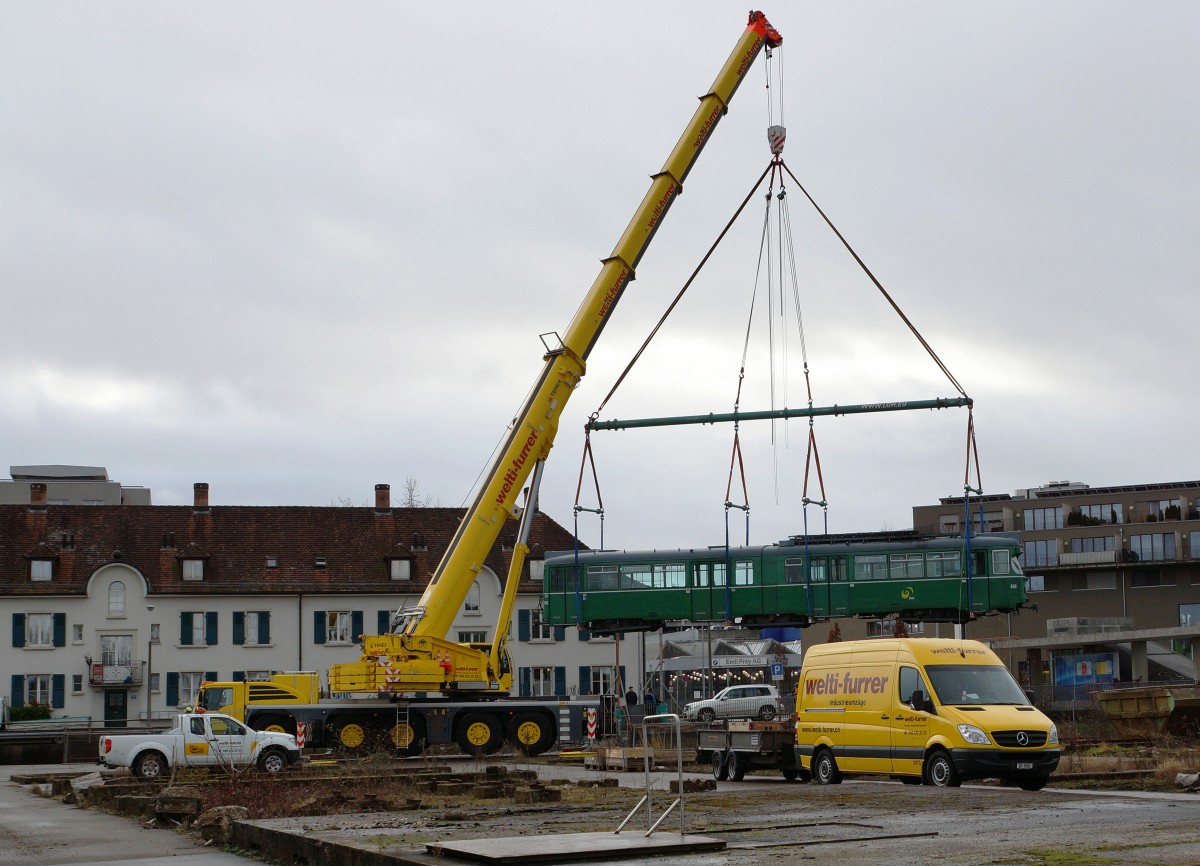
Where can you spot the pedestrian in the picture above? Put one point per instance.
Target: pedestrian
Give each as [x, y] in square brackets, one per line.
[651, 701]
[631, 698]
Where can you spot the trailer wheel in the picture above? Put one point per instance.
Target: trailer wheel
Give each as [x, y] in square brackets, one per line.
[478, 733]
[825, 769]
[737, 766]
[408, 737]
[940, 771]
[720, 769]
[149, 765]
[532, 733]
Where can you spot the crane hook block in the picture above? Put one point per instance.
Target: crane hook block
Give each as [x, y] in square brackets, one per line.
[776, 136]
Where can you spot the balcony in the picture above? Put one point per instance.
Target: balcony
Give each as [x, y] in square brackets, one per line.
[1092, 557]
[130, 674]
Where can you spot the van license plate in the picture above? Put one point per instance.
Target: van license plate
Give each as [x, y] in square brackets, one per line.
[1025, 765]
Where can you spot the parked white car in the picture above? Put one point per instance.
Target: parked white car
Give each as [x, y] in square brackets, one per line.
[199, 740]
[737, 702]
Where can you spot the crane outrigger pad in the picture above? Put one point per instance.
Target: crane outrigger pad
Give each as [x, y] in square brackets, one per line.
[570, 847]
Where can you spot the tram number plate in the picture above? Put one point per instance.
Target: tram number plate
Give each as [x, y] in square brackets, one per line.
[1025, 765]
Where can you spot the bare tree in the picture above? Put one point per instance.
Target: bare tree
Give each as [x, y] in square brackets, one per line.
[411, 497]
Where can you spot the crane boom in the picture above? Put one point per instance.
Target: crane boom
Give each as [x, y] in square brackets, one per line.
[417, 657]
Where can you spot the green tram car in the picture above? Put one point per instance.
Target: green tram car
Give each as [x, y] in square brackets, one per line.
[791, 583]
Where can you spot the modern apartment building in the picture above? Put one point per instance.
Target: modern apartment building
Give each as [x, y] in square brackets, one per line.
[121, 612]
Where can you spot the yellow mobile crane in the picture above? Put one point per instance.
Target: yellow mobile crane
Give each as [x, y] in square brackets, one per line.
[416, 656]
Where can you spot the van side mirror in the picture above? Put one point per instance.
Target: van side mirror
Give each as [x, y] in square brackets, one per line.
[920, 702]
[1029, 696]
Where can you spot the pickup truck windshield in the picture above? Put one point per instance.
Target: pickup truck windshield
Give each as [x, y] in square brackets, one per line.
[975, 684]
[213, 699]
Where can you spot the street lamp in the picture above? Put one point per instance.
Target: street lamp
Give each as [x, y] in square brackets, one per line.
[149, 666]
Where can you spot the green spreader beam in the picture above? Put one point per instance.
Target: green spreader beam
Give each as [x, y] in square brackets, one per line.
[810, 412]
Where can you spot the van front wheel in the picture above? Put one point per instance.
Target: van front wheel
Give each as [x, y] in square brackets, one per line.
[940, 771]
[825, 769]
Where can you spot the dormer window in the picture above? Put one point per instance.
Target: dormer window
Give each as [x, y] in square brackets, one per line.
[271, 562]
[193, 569]
[41, 570]
[400, 569]
[320, 562]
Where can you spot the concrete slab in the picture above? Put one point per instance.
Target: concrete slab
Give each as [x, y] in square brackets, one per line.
[573, 847]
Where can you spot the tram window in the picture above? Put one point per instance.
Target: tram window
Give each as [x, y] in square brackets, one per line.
[707, 572]
[636, 577]
[1000, 561]
[602, 577]
[873, 567]
[837, 568]
[906, 566]
[669, 575]
[979, 563]
[943, 563]
[793, 570]
[743, 573]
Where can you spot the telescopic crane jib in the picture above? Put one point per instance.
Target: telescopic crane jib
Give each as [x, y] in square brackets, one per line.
[416, 656]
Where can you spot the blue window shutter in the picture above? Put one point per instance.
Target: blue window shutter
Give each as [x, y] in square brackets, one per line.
[264, 626]
[58, 691]
[17, 698]
[383, 622]
[560, 681]
[523, 627]
[210, 676]
[19, 630]
[523, 678]
[210, 628]
[560, 635]
[585, 680]
[185, 629]
[356, 624]
[172, 689]
[584, 634]
[239, 676]
[60, 629]
[239, 628]
[318, 626]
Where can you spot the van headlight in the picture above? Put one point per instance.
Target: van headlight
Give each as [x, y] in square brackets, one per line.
[975, 735]
[1053, 739]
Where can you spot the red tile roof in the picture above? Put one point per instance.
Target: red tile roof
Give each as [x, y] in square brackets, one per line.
[235, 542]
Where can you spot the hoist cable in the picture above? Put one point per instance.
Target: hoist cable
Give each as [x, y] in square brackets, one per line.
[879, 286]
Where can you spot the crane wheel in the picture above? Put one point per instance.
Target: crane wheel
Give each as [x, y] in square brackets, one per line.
[532, 733]
[478, 734]
[408, 737]
[351, 736]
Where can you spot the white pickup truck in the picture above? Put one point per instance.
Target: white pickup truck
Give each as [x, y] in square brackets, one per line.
[199, 740]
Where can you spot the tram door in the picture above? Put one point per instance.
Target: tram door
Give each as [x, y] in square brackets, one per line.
[708, 592]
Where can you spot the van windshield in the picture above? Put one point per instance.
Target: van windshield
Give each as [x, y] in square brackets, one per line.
[975, 684]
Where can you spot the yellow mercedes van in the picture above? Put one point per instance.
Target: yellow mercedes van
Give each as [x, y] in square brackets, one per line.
[922, 710]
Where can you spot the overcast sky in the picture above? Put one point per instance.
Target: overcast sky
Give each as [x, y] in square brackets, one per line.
[297, 249]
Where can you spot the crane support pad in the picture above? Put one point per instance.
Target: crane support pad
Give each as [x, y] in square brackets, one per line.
[569, 847]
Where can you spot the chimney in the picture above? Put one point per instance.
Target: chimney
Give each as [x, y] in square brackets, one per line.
[37, 496]
[200, 497]
[383, 498]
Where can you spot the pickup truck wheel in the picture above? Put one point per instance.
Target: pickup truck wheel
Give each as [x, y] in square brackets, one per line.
[706, 715]
[272, 761]
[149, 765]
[532, 733]
[478, 733]
[766, 713]
[720, 769]
[737, 766]
[825, 769]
